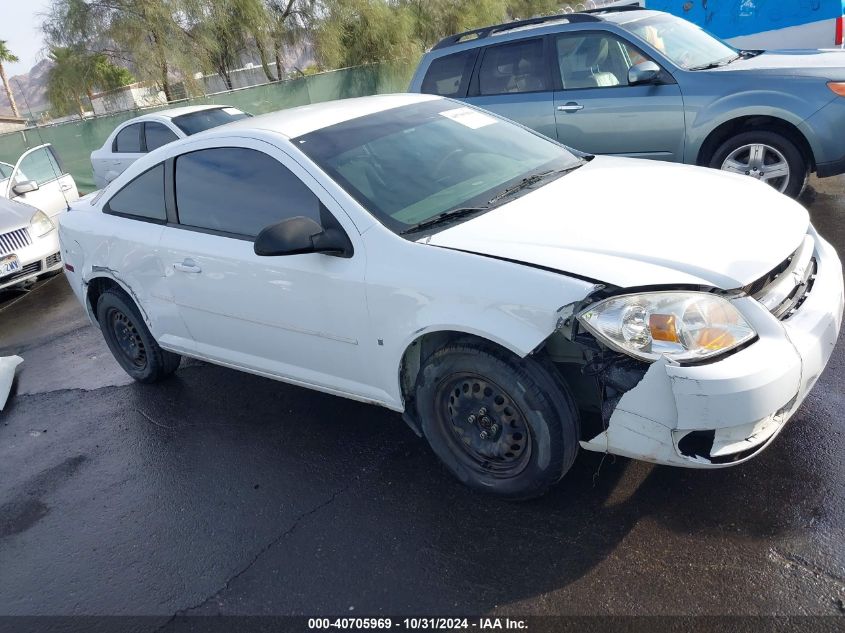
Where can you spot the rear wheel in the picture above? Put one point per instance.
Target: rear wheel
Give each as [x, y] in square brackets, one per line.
[767, 156]
[130, 341]
[500, 424]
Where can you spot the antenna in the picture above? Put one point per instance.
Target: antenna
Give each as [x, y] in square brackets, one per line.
[40, 138]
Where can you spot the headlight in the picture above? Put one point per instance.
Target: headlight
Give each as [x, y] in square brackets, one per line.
[40, 224]
[684, 326]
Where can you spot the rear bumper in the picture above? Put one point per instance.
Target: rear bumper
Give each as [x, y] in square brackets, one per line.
[40, 257]
[724, 413]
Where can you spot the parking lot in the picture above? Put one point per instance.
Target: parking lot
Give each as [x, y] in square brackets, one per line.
[219, 492]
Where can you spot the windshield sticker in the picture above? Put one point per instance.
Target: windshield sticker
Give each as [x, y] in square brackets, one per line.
[231, 111]
[468, 117]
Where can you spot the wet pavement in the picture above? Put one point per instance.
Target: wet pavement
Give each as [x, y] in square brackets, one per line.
[219, 492]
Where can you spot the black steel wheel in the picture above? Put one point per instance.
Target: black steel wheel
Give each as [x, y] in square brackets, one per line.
[501, 424]
[130, 341]
[487, 430]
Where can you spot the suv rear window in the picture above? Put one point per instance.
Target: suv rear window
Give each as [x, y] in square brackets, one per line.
[448, 76]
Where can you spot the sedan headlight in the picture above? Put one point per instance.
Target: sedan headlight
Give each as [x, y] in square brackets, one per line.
[684, 326]
[40, 224]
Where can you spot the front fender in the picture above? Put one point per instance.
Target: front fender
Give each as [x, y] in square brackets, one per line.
[705, 114]
[415, 289]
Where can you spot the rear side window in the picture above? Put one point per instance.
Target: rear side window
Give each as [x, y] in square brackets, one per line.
[238, 190]
[128, 140]
[157, 134]
[513, 68]
[143, 197]
[448, 76]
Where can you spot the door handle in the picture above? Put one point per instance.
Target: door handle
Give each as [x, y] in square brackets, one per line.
[570, 107]
[187, 266]
[66, 187]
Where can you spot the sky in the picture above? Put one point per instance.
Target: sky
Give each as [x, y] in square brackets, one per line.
[20, 26]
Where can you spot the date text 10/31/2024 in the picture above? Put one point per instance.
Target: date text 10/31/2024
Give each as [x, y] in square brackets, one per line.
[430, 623]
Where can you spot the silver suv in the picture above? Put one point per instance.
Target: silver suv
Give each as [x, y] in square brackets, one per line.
[634, 82]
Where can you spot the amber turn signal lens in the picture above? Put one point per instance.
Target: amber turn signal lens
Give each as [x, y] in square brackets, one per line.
[663, 328]
[837, 87]
[715, 338]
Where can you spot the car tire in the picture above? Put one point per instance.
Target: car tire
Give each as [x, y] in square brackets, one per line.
[778, 149]
[468, 389]
[130, 341]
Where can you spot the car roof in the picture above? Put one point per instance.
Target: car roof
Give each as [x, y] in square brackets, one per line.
[301, 120]
[172, 113]
[615, 14]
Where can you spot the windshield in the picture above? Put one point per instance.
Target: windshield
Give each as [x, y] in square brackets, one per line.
[410, 164]
[207, 119]
[684, 43]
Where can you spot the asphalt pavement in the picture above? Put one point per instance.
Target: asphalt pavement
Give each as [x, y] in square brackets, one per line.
[218, 492]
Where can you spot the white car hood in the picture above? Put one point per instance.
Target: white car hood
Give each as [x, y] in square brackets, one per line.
[633, 223]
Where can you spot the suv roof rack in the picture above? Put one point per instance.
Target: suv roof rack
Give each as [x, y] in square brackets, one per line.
[590, 15]
[633, 6]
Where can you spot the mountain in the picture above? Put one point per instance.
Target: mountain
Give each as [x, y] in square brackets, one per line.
[30, 91]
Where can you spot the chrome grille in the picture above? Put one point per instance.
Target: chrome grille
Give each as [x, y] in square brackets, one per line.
[784, 289]
[29, 269]
[14, 240]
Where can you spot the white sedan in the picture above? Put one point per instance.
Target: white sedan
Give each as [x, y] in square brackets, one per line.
[29, 244]
[39, 178]
[513, 299]
[135, 137]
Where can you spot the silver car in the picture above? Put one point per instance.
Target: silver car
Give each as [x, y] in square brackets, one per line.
[29, 244]
[634, 82]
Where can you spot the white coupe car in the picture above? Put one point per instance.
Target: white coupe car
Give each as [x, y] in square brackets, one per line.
[135, 137]
[515, 300]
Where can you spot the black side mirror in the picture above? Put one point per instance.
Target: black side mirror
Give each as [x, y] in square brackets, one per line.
[295, 236]
[643, 73]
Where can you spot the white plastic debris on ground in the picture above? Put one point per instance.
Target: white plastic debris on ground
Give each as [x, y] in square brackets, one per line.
[8, 364]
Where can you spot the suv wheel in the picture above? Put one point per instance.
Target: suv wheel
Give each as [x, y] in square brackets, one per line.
[500, 424]
[130, 341]
[767, 156]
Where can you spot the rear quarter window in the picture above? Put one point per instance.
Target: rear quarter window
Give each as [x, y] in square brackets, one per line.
[448, 76]
[142, 198]
[128, 140]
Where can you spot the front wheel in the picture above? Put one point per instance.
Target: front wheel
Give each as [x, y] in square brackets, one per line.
[767, 156]
[500, 424]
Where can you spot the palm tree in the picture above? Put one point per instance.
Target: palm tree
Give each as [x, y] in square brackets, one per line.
[7, 56]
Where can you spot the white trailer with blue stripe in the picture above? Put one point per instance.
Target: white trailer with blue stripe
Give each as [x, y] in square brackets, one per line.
[764, 24]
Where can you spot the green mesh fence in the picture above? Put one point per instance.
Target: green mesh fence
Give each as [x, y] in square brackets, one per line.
[74, 141]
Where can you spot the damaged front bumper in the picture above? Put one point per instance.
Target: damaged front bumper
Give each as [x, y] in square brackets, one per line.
[725, 412]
